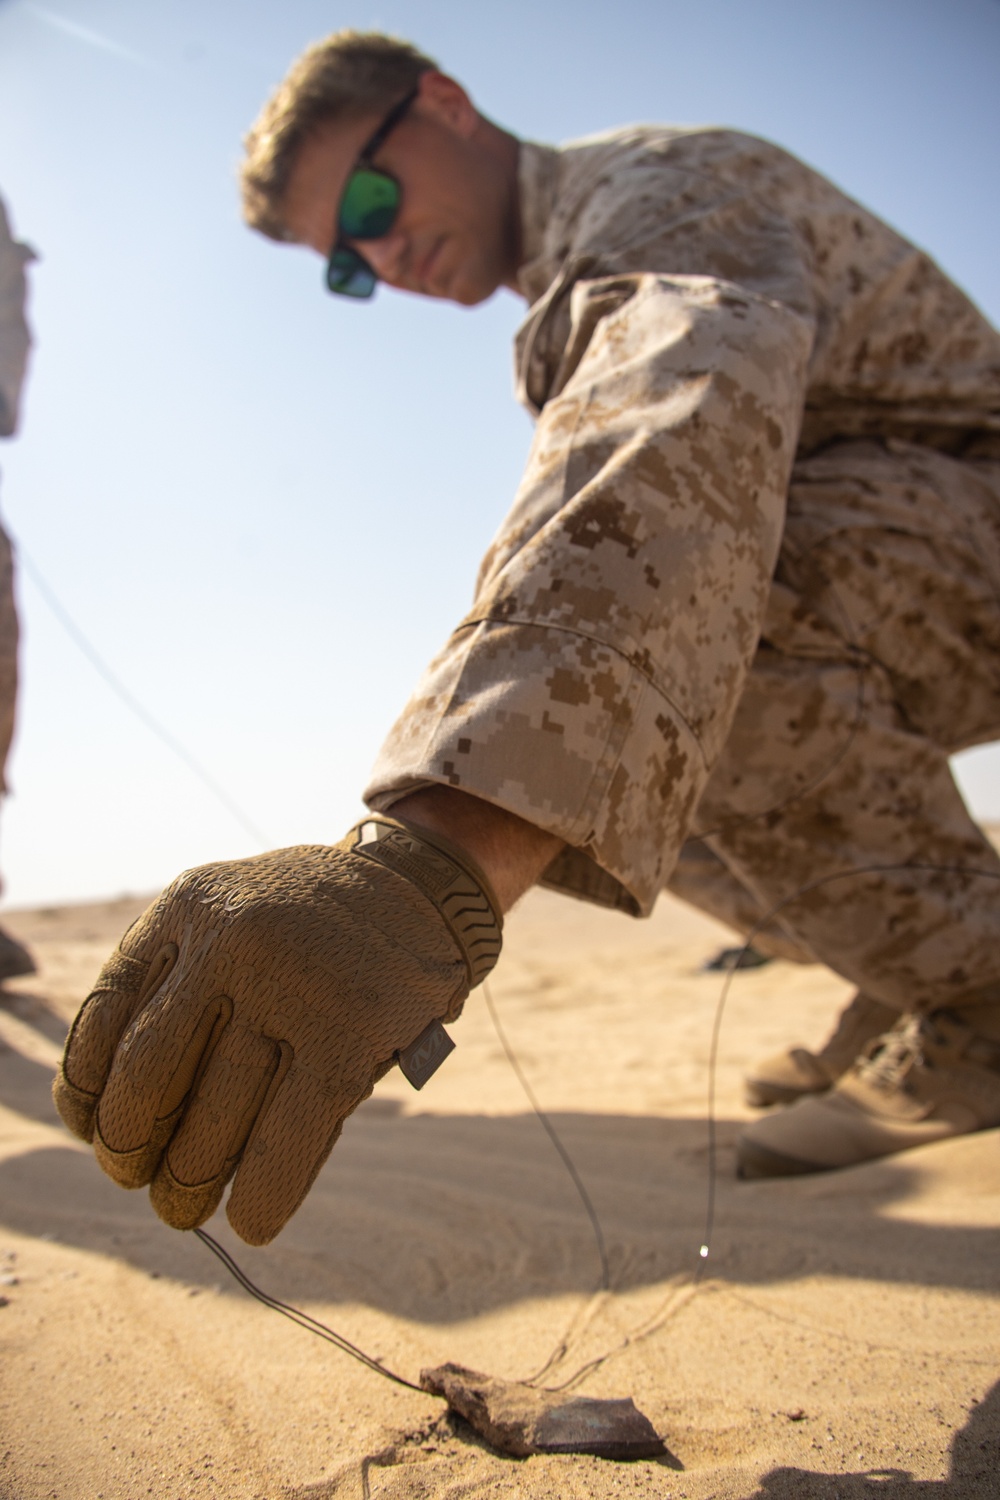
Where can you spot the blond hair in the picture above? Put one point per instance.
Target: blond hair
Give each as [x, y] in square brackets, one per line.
[348, 74]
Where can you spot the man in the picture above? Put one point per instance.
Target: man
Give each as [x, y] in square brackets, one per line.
[15, 342]
[742, 610]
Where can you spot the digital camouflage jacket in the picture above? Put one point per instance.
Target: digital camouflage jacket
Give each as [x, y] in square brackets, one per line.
[706, 312]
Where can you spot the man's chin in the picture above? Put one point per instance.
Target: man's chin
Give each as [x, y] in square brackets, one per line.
[461, 288]
[471, 297]
[467, 290]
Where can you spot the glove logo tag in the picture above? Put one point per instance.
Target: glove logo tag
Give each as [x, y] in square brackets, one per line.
[412, 858]
[422, 1058]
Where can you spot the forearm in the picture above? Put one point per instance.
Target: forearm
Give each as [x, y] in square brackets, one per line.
[511, 852]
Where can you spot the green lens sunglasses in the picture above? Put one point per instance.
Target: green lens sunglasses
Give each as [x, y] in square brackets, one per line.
[368, 210]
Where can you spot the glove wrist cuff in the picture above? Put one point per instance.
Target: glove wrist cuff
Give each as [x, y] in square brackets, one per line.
[447, 876]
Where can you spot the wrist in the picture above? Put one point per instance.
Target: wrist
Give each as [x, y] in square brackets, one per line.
[448, 877]
[509, 851]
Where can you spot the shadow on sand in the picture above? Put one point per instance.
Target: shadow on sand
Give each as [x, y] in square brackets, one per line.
[975, 1470]
[484, 1209]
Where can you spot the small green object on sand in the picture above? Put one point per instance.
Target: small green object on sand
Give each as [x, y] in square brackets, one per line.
[519, 1420]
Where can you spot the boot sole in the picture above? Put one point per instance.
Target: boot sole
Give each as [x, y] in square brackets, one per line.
[754, 1162]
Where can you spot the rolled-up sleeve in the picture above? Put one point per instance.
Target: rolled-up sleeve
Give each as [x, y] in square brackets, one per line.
[591, 687]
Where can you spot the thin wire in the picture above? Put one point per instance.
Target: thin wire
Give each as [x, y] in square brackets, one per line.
[673, 1303]
[804, 890]
[677, 1298]
[131, 702]
[553, 1135]
[304, 1320]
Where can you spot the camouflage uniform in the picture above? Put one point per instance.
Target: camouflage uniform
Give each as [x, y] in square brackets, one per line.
[15, 342]
[747, 593]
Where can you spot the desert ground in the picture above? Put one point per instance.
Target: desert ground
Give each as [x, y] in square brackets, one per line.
[842, 1341]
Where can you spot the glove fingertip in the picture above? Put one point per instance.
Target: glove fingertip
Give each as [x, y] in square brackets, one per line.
[136, 1168]
[261, 1204]
[183, 1206]
[252, 1227]
[76, 1107]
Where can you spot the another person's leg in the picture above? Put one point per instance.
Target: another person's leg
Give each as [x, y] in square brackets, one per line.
[15, 959]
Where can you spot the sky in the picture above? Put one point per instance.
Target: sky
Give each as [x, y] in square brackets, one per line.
[263, 508]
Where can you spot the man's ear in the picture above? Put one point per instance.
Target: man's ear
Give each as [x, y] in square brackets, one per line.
[446, 101]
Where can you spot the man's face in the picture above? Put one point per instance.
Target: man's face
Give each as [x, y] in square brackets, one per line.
[455, 235]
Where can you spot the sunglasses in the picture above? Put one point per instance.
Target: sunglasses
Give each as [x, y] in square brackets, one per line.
[368, 210]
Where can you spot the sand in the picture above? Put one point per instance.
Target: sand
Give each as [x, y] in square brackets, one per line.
[843, 1341]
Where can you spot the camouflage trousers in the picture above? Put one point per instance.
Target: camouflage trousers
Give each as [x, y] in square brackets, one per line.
[831, 825]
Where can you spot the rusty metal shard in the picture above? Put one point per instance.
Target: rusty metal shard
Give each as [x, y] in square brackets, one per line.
[519, 1420]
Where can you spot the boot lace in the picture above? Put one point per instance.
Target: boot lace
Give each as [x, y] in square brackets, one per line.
[890, 1059]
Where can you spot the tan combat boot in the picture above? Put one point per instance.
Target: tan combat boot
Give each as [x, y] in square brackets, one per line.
[797, 1072]
[929, 1077]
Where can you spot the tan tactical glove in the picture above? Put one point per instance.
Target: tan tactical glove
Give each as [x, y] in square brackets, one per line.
[255, 1004]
